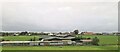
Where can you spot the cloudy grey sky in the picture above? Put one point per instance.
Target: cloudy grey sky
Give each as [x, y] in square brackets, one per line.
[60, 15]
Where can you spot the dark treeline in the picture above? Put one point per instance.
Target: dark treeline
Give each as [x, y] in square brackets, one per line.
[22, 33]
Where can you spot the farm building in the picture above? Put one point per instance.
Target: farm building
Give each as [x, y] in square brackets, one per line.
[15, 43]
[58, 40]
[52, 41]
[35, 43]
[87, 33]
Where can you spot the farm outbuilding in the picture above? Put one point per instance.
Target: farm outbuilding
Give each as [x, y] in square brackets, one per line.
[49, 41]
[15, 43]
[35, 43]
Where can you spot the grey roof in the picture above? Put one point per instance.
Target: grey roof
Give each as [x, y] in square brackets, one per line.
[60, 38]
[62, 35]
[45, 36]
[27, 41]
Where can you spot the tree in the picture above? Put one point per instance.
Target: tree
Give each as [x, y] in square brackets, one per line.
[34, 39]
[3, 40]
[31, 40]
[40, 38]
[82, 33]
[60, 32]
[76, 31]
[24, 33]
[95, 41]
[76, 39]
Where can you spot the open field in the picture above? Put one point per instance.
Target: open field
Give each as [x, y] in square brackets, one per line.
[60, 48]
[106, 39]
[20, 38]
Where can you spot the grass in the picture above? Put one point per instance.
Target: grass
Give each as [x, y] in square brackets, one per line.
[20, 38]
[60, 48]
[106, 39]
[103, 39]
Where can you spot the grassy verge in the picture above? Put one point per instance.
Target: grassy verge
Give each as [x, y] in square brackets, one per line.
[60, 48]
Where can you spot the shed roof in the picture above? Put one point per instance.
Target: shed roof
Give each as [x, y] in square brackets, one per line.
[59, 38]
[27, 41]
[86, 40]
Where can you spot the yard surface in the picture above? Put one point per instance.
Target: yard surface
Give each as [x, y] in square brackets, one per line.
[107, 42]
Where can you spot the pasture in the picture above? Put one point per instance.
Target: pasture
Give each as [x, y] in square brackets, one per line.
[19, 38]
[104, 39]
[60, 48]
[107, 42]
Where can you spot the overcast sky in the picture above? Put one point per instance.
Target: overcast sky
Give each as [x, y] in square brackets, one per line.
[60, 15]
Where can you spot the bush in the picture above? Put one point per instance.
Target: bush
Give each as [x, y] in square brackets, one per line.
[95, 41]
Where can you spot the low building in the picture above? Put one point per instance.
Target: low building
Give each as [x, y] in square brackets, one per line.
[50, 34]
[15, 43]
[86, 42]
[35, 43]
[49, 41]
[87, 33]
[116, 33]
[105, 33]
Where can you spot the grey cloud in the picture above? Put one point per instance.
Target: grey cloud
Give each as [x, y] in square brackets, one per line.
[60, 16]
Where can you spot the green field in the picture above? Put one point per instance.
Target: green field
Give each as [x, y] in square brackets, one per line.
[104, 39]
[20, 38]
[60, 48]
[111, 40]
